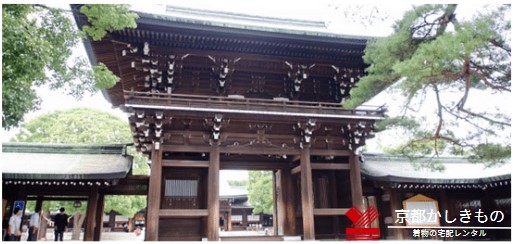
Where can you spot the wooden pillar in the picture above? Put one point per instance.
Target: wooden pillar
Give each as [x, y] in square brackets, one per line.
[275, 202]
[395, 204]
[229, 219]
[306, 182]
[372, 202]
[334, 203]
[443, 204]
[355, 182]
[244, 219]
[288, 197]
[280, 210]
[21, 195]
[213, 203]
[91, 214]
[39, 202]
[154, 195]
[99, 218]
[39, 205]
[112, 219]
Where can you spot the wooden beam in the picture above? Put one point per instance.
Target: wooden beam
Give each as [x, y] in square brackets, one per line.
[355, 183]
[294, 158]
[253, 165]
[170, 213]
[59, 191]
[260, 150]
[91, 214]
[306, 182]
[213, 191]
[295, 170]
[329, 166]
[127, 190]
[255, 150]
[330, 211]
[186, 148]
[185, 163]
[330, 152]
[154, 194]
[52, 198]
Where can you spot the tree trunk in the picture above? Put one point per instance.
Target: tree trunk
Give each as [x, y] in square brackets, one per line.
[78, 220]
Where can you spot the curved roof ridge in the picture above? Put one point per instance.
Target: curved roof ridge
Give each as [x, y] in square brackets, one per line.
[390, 157]
[63, 148]
[201, 13]
[315, 29]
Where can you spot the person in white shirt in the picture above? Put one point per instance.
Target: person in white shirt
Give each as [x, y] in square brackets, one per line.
[13, 232]
[34, 225]
[140, 234]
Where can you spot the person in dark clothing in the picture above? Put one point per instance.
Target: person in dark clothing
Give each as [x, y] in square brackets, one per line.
[60, 221]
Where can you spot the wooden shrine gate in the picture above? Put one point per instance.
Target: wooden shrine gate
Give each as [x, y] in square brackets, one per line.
[204, 96]
[314, 181]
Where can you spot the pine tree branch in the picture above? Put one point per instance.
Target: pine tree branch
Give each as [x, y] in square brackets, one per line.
[484, 117]
[469, 121]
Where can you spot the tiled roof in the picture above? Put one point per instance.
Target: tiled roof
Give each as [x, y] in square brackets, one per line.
[30, 161]
[456, 170]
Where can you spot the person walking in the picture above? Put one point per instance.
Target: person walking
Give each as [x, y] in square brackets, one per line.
[60, 223]
[34, 225]
[13, 232]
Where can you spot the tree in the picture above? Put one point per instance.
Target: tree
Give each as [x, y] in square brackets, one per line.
[86, 126]
[260, 190]
[436, 54]
[237, 183]
[37, 44]
[81, 126]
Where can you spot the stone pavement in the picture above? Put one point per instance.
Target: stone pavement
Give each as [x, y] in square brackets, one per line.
[125, 236]
[106, 236]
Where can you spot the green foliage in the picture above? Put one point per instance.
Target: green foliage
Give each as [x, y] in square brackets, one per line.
[260, 189]
[75, 126]
[81, 126]
[125, 205]
[418, 147]
[87, 126]
[402, 122]
[423, 55]
[107, 18]
[37, 44]
[54, 206]
[104, 77]
[237, 182]
[491, 154]
[435, 53]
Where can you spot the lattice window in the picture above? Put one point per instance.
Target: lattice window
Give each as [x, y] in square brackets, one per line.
[253, 218]
[181, 194]
[236, 218]
[181, 188]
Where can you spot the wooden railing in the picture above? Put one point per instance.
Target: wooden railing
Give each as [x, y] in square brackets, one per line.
[218, 102]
